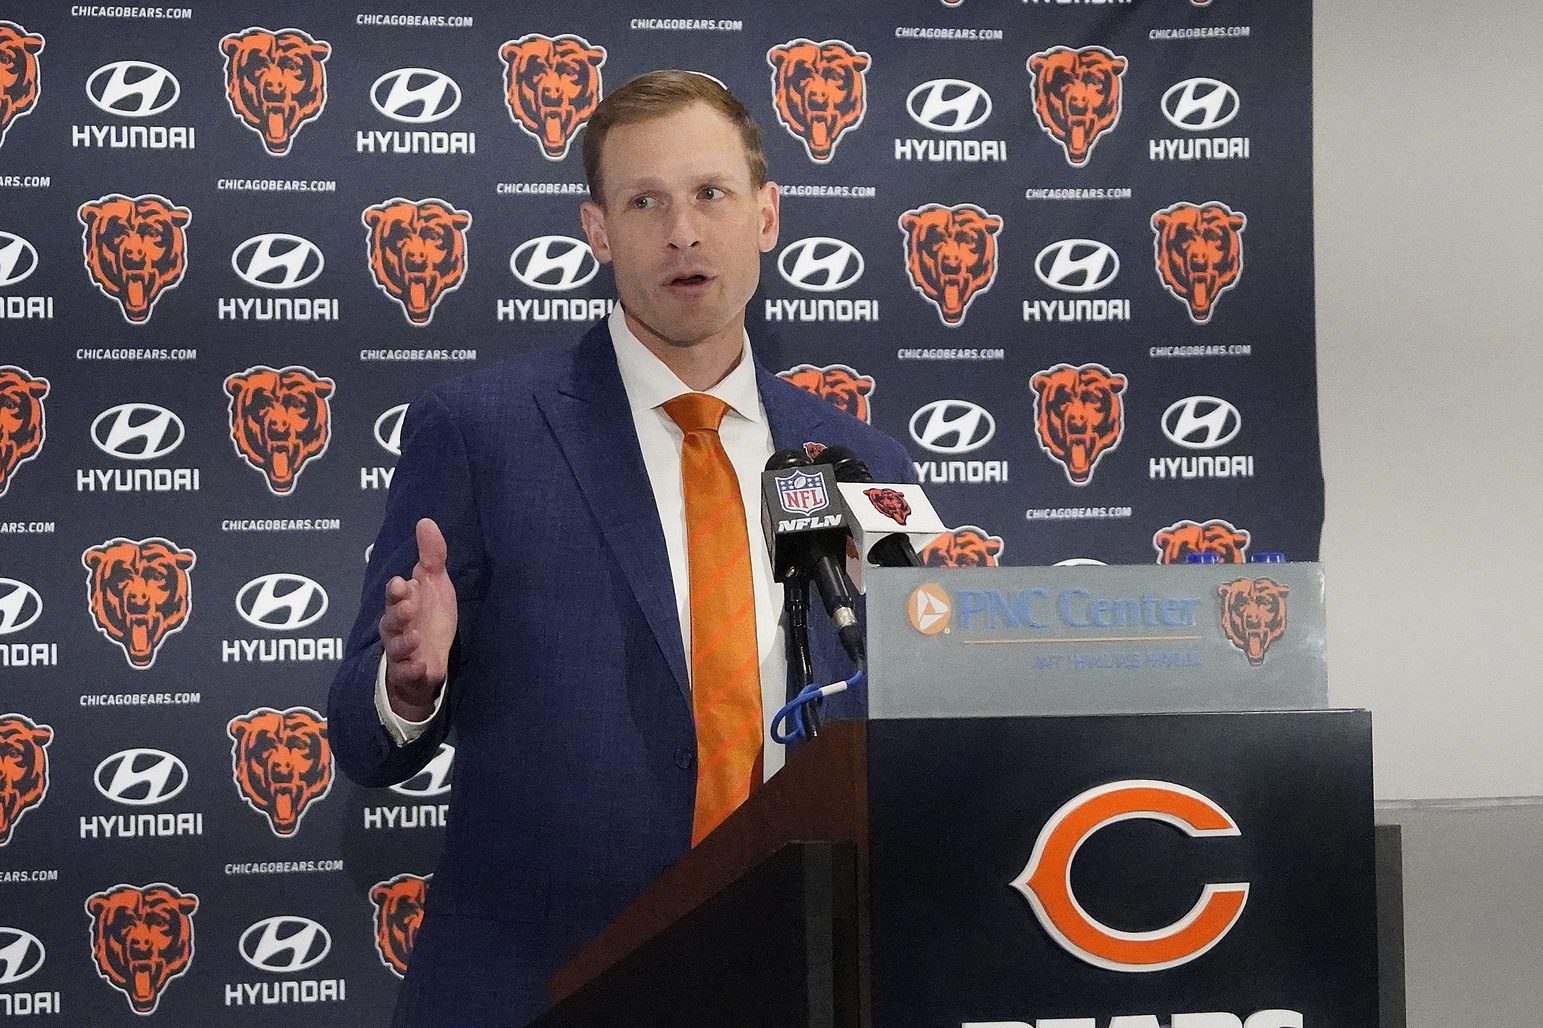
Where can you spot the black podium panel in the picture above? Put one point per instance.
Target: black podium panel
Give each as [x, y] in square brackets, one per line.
[1126, 820]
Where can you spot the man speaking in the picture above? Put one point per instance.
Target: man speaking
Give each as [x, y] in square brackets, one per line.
[571, 573]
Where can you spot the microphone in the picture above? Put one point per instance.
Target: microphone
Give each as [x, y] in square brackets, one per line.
[884, 516]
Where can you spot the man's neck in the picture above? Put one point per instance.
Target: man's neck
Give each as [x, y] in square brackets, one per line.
[701, 365]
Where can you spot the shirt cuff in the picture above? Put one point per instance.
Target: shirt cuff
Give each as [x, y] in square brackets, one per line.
[401, 730]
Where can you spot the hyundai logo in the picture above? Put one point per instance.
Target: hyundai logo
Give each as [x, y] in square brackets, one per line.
[434, 779]
[1200, 105]
[554, 263]
[952, 426]
[141, 777]
[285, 944]
[20, 606]
[137, 431]
[133, 89]
[18, 259]
[21, 955]
[281, 603]
[388, 429]
[415, 95]
[948, 105]
[1077, 265]
[277, 260]
[1202, 422]
[820, 264]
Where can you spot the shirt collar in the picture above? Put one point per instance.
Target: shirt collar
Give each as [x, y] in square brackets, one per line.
[649, 382]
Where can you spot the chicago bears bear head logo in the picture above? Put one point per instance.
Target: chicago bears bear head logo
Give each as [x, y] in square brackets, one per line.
[889, 502]
[275, 82]
[136, 249]
[1253, 614]
[951, 255]
[1199, 253]
[138, 593]
[21, 420]
[23, 768]
[1079, 416]
[551, 87]
[1077, 96]
[142, 938]
[820, 91]
[19, 79]
[417, 252]
[1175, 543]
[838, 383]
[282, 763]
[398, 915]
[968, 546]
[280, 420]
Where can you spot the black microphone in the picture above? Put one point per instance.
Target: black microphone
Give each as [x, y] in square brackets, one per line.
[893, 551]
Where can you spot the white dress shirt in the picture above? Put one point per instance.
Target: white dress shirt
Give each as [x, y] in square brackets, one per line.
[746, 436]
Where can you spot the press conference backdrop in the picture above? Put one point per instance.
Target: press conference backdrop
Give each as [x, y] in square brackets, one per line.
[1061, 250]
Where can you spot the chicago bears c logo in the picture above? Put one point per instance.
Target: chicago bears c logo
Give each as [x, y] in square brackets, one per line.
[551, 87]
[280, 420]
[142, 938]
[951, 255]
[282, 763]
[838, 383]
[968, 546]
[1199, 253]
[1175, 543]
[136, 249]
[1077, 96]
[819, 91]
[398, 915]
[275, 82]
[1079, 416]
[19, 79]
[138, 593]
[889, 502]
[23, 768]
[21, 420]
[1253, 614]
[417, 252]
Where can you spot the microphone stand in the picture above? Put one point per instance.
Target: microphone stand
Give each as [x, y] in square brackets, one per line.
[795, 601]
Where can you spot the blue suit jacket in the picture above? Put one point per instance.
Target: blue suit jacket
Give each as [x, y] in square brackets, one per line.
[575, 772]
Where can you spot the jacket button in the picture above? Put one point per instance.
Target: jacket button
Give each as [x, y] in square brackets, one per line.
[684, 758]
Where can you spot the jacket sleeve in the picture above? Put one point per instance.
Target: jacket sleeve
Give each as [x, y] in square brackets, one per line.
[433, 479]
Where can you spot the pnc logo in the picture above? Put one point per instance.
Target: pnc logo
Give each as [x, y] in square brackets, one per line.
[1077, 265]
[133, 89]
[137, 431]
[416, 96]
[141, 777]
[277, 260]
[434, 779]
[21, 955]
[820, 264]
[388, 429]
[554, 264]
[952, 426]
[18, 259]
[1046, 881]
[929, 609]
[281, 603]
[1202, 422]
[285, 944]
[20, 606]
[948, 105]
[1200, 104]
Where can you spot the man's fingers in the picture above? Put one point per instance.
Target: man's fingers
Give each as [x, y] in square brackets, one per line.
[397, 589]
[403, 646]
[431, 547]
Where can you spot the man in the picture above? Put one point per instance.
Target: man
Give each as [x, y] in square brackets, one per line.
[571, 573]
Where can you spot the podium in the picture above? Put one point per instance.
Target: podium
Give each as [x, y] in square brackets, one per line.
[1128, 865]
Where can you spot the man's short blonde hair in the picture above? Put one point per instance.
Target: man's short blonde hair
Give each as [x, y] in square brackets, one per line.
[656, 94]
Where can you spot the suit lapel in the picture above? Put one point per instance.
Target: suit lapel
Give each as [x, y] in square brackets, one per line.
[591, 420]
[792, 424]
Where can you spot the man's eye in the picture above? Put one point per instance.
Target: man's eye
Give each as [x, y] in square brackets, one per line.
[712, 193]
[642, 203]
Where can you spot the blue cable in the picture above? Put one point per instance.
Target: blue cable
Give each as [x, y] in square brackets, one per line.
[810, 693]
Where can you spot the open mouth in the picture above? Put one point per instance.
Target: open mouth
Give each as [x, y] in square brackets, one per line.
[275, 118]
[552, 129]
[418, 292]
[139, 634]
[693, 281]
[136, 290]
[286, 804]
[142, 980]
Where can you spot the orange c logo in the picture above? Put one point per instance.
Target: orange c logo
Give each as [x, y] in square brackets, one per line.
[1046, 880]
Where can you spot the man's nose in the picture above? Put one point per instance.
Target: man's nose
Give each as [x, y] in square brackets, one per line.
[684, 230]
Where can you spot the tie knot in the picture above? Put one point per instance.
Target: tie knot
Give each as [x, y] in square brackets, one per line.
[694, 412]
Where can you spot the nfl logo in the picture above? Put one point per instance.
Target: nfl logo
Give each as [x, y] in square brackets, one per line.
[802, 493]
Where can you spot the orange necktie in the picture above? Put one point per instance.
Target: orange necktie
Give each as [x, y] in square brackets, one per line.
[725, 661]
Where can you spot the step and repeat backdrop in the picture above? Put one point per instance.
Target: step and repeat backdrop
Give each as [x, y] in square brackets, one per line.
[1060, 248]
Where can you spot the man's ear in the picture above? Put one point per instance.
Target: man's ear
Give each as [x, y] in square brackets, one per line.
[769, 198]
[592, 217]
